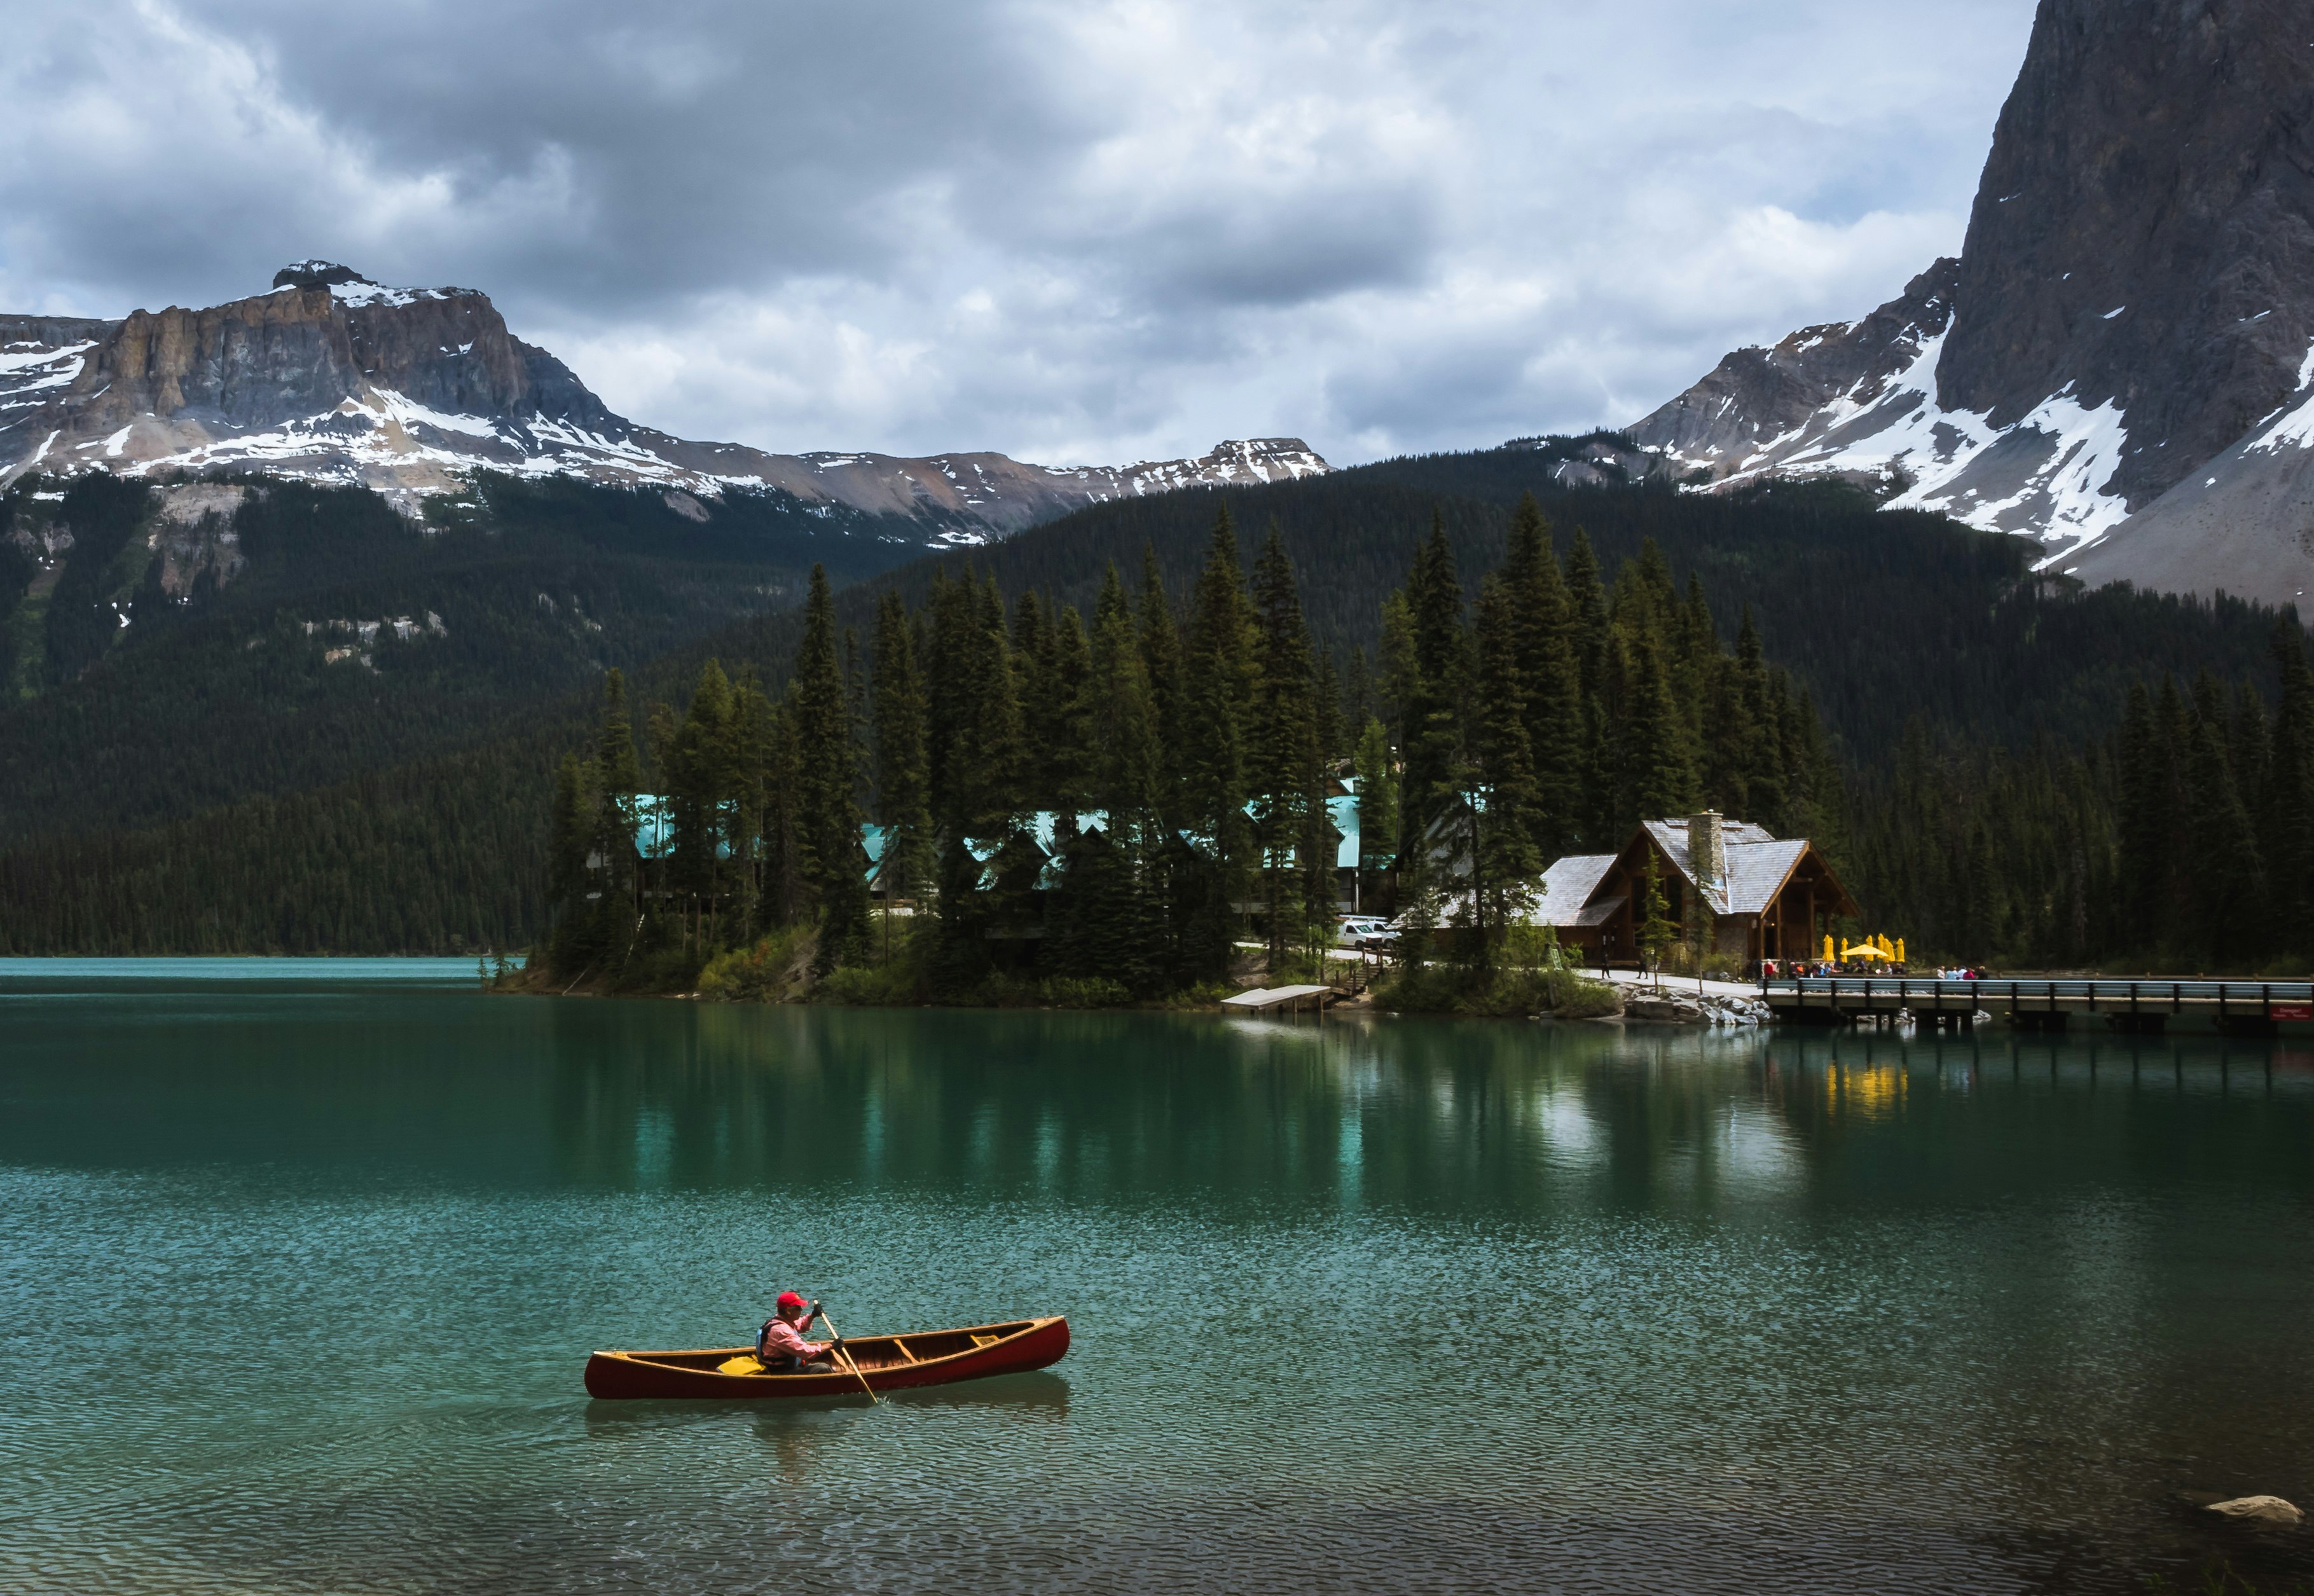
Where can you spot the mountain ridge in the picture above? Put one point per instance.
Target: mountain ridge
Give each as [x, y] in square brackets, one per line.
[2120, 362]
[334, 377]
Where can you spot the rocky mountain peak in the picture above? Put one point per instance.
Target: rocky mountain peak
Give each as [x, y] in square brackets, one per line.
[317, 274]
[2111, 362]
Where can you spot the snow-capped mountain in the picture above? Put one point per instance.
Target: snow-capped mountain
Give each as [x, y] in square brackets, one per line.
[2121, 362]
[331, 376]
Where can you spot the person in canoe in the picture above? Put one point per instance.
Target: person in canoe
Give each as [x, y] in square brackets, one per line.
[779, 1345]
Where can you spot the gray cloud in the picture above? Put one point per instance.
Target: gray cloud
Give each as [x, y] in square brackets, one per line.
[1071, 232]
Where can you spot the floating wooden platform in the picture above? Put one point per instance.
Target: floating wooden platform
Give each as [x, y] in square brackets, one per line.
[1264, 999]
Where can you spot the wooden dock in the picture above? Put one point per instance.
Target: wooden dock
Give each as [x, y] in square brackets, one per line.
[1273, 1000]
[2243, 1007]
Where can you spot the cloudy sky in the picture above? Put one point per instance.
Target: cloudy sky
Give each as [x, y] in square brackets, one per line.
[1077, 233]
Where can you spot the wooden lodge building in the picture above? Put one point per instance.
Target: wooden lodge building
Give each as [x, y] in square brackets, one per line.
[1767, 898]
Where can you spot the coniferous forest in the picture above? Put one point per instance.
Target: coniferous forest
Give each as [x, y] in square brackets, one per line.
[1118, 799]
[2003, 768]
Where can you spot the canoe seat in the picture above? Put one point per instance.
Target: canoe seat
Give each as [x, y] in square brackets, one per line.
[744, 1363]
[980, 1341]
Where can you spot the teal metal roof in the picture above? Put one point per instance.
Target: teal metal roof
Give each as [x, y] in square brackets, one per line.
[1344, 813]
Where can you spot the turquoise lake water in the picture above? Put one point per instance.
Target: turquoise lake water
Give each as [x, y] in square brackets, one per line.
[300, 1262]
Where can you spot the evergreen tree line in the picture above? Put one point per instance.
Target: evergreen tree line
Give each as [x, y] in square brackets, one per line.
[1886, 616]
[2184, 841]
[1125, 797]
[439, 858]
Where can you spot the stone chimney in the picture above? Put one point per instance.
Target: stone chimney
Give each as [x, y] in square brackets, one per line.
[1706, 850]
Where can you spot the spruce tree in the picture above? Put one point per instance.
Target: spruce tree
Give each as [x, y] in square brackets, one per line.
[1377, 807]
[1762, 696]
[827, 774]
[1657, 778]
[2289, 806]
[1551, 678]
[1161, 658]
[903, 769]
[572, 840]
[1434, 735]
[1121, 929]
[700, 793]
[1217, 680]
[2225, 879]
[1067, 681]
[1281, 747]
[618, 780]
[1506, 863]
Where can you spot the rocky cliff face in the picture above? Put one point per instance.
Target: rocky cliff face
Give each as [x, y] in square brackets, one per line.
[2132, 312]
[332, 376]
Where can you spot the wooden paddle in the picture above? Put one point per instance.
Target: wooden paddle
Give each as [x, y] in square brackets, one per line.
[845, 1354]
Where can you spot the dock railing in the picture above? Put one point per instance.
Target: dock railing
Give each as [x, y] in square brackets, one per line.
[2246, 999]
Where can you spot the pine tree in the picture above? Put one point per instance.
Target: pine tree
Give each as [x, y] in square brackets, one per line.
[1506, 864]
[1551, 678]
[2289, 806]
[1121, 931]
[903, 769]
[699, 792]
[1657, 778]
[1357, 691]
[1377, 807]
[1434, 734]
[748, 757]
[1281, 747]
[1067, 721]
[1762, 696]
[618, 779]
[1217, 680]
[2225, 880]
[1655, 930]
[1161, 658]
[827, 774]
[573, 838]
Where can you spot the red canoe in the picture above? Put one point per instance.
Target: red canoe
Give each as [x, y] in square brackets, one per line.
[889, 1362]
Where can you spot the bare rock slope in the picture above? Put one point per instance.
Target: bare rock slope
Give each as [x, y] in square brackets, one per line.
[2121, 362]
[333, 376]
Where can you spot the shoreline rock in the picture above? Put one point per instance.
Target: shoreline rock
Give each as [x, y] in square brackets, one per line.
[2260, 1510]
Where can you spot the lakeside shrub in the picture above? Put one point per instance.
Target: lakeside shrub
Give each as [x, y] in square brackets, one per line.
[776, 969]
[1501, 993]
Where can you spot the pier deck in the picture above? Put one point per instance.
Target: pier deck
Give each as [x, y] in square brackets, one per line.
[2246, 1006]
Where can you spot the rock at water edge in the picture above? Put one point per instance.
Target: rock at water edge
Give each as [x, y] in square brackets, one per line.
[2259, 1510]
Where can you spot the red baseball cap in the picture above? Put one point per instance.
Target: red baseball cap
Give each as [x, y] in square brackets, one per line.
[791, 1300]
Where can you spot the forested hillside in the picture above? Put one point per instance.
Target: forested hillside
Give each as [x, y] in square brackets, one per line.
[152, 670]
[1887, 618]
[1951, 684]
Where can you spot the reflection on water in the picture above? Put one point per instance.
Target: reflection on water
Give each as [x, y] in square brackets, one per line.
[1359, 1305]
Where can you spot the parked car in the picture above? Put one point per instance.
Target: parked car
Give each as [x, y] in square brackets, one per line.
[1371, 933]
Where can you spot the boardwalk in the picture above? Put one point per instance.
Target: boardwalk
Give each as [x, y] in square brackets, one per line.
[2243, 1007]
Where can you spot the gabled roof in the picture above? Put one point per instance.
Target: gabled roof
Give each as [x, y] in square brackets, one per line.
[1567, 886]
[1756, 872]
[1758, 863]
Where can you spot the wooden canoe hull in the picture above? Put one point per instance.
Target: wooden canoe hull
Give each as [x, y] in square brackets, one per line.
[889, 1363]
